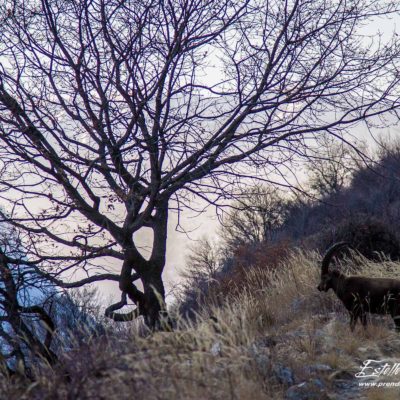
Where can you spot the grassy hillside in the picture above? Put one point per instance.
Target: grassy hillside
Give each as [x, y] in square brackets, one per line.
[274, 337]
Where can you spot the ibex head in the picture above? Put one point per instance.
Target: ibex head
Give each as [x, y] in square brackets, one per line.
[327, 277]
[325, 283]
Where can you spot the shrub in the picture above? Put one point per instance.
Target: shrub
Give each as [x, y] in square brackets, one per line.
[232, 276]
[369, 236]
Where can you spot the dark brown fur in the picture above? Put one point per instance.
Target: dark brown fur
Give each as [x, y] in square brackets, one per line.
[359, 294]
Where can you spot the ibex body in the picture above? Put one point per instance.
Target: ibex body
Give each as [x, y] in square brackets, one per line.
[361, 295]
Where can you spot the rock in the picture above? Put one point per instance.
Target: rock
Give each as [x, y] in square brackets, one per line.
[341, 375]
[299, 333]
[346, 390]
[266, 341]
[284, 375]
[319, 333]
[297, 304]
[314, 389]
[370, 352]
[344, 384]
[261, 359]
[216, 349]
[318, 368]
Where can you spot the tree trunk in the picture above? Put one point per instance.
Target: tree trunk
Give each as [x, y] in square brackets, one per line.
[151, 302]
[153, 308]
[155, 313]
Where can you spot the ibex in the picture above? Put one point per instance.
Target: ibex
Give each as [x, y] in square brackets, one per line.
[361, 294]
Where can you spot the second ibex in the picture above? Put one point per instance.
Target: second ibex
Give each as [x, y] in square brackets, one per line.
[361, 295]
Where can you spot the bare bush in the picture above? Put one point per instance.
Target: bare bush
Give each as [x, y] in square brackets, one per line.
[255, 218]
[331, 168]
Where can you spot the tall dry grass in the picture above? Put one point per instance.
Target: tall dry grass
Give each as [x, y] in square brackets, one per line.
[274, 318]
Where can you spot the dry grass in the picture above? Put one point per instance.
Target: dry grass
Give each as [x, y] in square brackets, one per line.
[276, 318]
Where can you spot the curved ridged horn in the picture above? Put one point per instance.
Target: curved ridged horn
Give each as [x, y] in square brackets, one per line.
[329, 254]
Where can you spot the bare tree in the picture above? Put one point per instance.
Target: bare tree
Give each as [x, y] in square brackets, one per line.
[331, 168]
[255, 218]
[113, 113]
[202, 262]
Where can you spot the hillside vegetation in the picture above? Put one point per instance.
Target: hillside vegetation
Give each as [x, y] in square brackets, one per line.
[277, 337]
[356, 201]
[249, 322]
